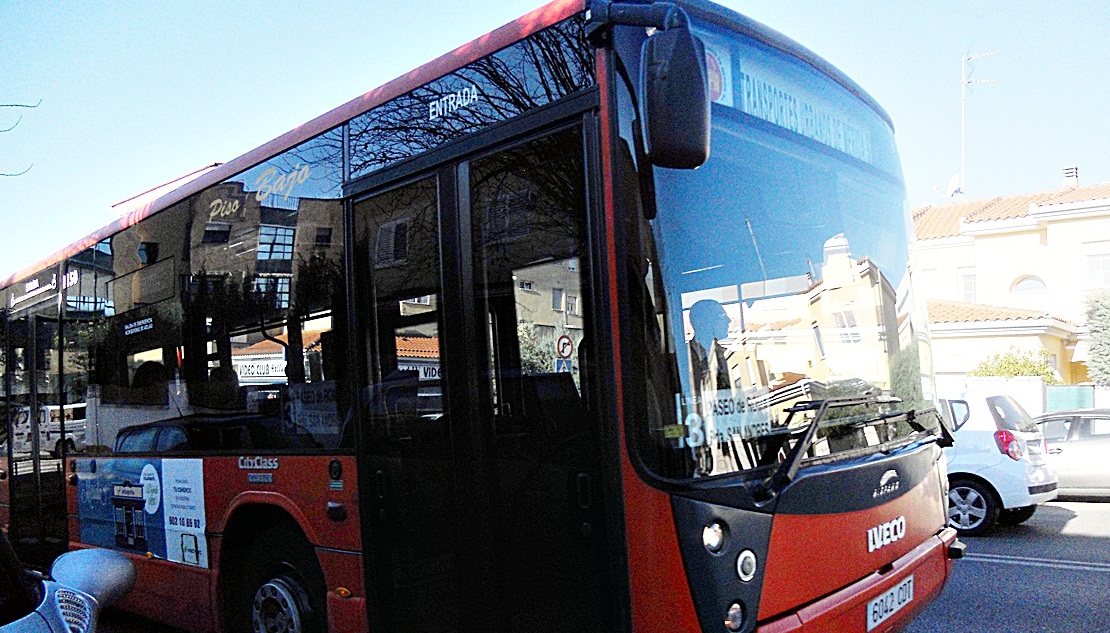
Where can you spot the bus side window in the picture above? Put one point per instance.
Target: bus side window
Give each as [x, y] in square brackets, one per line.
[398, 238]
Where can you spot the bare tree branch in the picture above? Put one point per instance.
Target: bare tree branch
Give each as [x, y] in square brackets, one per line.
[13, 126]
[20, 105]
[20, 173]
[9, 129]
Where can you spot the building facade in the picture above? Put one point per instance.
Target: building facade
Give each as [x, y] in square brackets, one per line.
[1013, 273]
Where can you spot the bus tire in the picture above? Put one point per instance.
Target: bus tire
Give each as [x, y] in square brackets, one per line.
[973, 507]
[283, 586]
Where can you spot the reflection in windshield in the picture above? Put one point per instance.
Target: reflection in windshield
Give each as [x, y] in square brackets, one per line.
[778, 274]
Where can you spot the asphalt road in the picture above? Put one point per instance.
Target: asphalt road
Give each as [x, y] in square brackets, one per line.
[1051, 574]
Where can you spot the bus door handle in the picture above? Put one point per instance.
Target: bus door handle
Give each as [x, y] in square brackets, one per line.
[379, 483]
[585, 494]
[379, 489]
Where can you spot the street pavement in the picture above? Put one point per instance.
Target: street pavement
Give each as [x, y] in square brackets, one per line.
[1049, 575]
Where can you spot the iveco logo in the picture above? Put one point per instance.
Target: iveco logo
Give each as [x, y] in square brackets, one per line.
[888, 484]
[886, 533]
[258, 463]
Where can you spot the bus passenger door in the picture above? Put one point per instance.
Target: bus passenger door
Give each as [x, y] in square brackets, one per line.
[37, 529]
[528, 230]
[410, 485]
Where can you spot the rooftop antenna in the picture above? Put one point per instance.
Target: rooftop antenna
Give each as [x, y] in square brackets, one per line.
[965, 80]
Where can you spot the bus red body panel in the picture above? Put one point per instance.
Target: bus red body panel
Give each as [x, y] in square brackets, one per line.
[790, 579]
[169, 592]
[343, 571]
[660, 593]
[301, 486]
[845, 610]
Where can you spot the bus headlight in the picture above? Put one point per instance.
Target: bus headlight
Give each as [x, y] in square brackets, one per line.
[746, 565]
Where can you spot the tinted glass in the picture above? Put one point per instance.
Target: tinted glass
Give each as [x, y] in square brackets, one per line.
[399, 230]
[225, 303]
[773, 275]
[542, 68]
[528, 205]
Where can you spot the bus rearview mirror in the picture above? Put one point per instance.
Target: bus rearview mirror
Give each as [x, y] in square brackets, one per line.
[674, 89]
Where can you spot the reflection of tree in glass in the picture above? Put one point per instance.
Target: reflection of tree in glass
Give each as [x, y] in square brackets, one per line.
[546, 66]
[318, 279]
[405, 261]
[278, 181]
[529, 197]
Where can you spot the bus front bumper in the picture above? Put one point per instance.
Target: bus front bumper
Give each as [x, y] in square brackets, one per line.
[877, 603]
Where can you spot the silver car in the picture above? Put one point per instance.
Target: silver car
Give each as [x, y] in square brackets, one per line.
[1079, 447]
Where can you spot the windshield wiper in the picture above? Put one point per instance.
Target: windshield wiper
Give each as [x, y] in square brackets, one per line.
[788, 469]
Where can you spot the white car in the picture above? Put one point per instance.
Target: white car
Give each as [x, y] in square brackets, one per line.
[997, 471]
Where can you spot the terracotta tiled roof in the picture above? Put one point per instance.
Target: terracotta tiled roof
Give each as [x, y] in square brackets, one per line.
[407, 347]
[267, 346]
[937, 221]
[418, 347]
[941, 311]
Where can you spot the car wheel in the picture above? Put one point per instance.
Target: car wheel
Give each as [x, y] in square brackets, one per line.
[1016, 516]
[973, 507]
[283, 591]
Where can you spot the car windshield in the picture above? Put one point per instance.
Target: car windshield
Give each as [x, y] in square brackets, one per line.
[778, 276]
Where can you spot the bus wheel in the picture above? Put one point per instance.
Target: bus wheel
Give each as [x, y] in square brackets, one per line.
[283, 592]
[973, 507]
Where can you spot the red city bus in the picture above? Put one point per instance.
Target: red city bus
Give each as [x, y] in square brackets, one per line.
[603, 321]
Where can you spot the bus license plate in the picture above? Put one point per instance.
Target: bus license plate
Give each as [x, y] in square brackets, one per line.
[891, 602]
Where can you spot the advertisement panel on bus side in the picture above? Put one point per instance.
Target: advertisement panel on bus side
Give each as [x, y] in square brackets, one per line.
[144, 505]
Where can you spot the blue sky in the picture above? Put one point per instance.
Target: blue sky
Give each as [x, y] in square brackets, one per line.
[138, 93]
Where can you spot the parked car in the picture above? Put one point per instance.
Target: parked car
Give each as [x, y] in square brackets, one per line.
[997, 470]
[1079, 448]
[234, 432]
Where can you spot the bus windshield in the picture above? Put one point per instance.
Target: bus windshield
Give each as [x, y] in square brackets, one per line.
[779, 276]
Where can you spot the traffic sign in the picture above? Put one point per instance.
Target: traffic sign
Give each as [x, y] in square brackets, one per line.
[564, 347]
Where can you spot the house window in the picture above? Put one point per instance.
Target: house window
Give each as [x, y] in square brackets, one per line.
[817, 339]
[323, 237]
[847, 326]
[276, 287]
[216, 233]
[965, 284]
[557, 299]
[1028, 285]
[148, 253]
[275, 242]
[393, 244]
[1096, 265]
[572, 304]
[526, 285]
